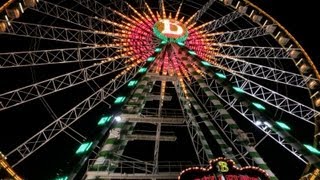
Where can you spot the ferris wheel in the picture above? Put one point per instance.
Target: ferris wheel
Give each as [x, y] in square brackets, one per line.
[154, 89]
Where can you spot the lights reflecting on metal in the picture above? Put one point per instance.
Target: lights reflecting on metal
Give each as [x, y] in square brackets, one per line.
[283, 125]
[258, 106]
[84, 147]
[118, 118]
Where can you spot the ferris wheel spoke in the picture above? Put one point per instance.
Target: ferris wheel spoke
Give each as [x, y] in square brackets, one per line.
[237, 51]
[53, 56]
[203, 10]
[199, 142]
[284, 140]
[233, 132]
[161, 5]
[169, 4]
[66, 120]
[232, 36]
[70, 16]
[274, 99]
[224, 121]
[265, 72]
[227, 69]
[94, 6]
[223, 21]
[226, 149]
[53, 85]
[56, 33]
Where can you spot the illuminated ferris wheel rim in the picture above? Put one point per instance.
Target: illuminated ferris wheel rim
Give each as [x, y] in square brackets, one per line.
[275, 22]
[282, 38]
[241, 5]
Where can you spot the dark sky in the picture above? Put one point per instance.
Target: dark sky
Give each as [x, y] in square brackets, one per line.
[300, 20]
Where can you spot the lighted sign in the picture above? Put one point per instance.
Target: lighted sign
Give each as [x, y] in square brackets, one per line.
[223, 169]
[170, 30]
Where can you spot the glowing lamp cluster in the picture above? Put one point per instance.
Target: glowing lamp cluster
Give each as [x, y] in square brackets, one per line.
[222, 168]
[163, 41]
[139, 35]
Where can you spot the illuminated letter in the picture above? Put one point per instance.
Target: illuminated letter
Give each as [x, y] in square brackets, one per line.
[222, 166]
[169, 26]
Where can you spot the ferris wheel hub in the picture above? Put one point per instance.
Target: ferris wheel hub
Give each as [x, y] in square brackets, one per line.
[170, 30]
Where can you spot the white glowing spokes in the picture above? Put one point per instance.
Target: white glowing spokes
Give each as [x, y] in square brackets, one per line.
[134, 36]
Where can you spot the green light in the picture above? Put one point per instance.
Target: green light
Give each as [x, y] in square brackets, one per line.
[283, 125]
[104, 120]
[239, 90]
[220, 75]
[150, 59]
[159, 34]
[132, 83]
[157, 50]
[259, 106]
[205, 63]
[312, 149]
[89, 145]
[62, 178]
[180, 43]
[142, 70]
[84, 147]
[164, 42]
[192, 52]
[119, 99]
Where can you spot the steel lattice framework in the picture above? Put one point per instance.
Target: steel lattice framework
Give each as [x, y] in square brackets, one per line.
[172, 85]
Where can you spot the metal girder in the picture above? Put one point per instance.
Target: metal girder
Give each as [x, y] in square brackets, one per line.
[275, 99]
[223, 21]
[221, 123]
[108, 175]
[157, 77]
[170, 4]
[146, 137]
[117, 138]
[265, 72]
[59, 125]
[43, 88]
[279, 135]
[141, 4]
[53, 56]
[160, 2]
[255, 52]
[234, 129]
[71, 16]
[152, 112]
[154, 97]
[203, 10]
[56, 33]
[148, 119]
[94, 6]
[157, 139]
[232, 36]
[232, 102]
[196, 135]
[122, 6]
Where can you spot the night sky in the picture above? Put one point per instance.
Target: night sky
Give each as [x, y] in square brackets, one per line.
[296, 17]
[300, 19]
